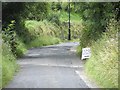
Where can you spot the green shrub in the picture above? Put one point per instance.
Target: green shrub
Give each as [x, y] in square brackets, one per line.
[9, 36]
[20, 48]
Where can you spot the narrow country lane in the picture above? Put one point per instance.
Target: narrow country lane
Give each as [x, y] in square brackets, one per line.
[52, 66]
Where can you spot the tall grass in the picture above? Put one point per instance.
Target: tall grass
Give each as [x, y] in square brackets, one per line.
[103, 64]
[9, 65]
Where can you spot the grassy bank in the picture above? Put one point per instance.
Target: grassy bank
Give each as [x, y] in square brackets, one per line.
[103, 64]
[9, 65]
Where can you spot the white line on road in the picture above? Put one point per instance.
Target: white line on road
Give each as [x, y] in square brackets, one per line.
[86, 80]
[52, 65]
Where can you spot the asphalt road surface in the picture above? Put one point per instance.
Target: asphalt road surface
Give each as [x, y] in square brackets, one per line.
[52, 66]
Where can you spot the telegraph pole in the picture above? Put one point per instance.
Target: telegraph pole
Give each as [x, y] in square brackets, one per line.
[69, 31]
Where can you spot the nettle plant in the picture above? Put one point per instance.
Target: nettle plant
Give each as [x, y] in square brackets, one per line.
[9, 36]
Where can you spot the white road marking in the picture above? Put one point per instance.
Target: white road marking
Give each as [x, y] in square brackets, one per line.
[86, 80]
[51, 65]
[33, 54]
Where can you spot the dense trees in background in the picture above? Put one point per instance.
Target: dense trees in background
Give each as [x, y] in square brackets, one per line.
[36, 11]
[95, 18]
[14, 14]
[10, 12]
[27, 10]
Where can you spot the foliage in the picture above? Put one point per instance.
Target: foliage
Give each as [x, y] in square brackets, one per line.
[9, 12]
[36, 10]
[27, 10]
[8, 64]
[21, 48]
[41, 28]
[54, 18]
[103, 64]
[95, 21]
[45, 32]
[102, 39]
[44, 41]
[56, 6]
[9, 36]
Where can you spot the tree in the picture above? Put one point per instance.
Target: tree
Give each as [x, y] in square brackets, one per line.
[95, 17]
[36, 11]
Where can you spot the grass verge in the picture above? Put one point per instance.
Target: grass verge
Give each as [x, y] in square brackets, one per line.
[9, 65]
[103, 64]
